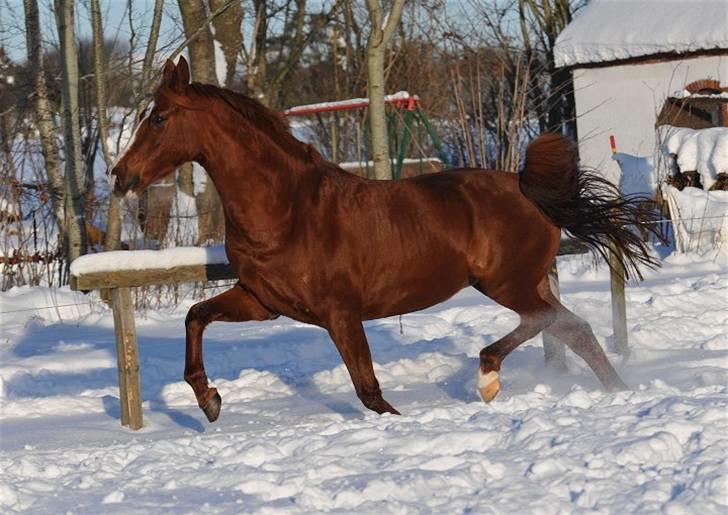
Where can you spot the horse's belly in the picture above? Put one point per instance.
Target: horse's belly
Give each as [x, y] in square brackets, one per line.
[406, 293]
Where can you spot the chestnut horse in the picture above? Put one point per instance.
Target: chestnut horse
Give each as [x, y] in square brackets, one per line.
[314, 243]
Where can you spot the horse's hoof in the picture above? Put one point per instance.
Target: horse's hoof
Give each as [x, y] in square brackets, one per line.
[212, 408]
[488, 384]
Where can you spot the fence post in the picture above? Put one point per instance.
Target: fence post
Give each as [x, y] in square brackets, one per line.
[127, 358]
[554, 350]
[619, 303]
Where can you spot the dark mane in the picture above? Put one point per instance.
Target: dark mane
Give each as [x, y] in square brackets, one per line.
[273, 123]
[248, 107]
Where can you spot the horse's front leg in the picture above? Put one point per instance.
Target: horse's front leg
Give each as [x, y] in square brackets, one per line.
[348, 335]
[234, 305]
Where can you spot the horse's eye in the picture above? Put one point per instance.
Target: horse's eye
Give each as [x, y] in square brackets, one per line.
[157, 119]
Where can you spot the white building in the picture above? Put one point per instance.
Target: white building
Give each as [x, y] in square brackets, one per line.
[637, 62]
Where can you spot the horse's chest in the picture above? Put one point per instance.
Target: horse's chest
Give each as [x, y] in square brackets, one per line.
[279, 281]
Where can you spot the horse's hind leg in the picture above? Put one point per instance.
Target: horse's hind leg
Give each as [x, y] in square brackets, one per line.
[234, 305]
[577, 334]
[348, 335]
[536, 314]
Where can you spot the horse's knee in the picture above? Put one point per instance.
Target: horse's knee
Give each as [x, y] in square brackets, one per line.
[543, 319]
[197, 317]
[574, 324]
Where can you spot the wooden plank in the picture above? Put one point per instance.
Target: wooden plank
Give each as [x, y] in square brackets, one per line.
[554, 349]
[572, 246]
[130, 395]
[134, 278]
[619, 303]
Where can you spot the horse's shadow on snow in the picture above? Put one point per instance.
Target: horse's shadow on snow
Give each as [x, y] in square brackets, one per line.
[292, 352]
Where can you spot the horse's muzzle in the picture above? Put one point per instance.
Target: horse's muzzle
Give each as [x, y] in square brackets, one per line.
[120, 186]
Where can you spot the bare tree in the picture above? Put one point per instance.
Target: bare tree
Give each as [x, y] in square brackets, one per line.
[201, 47]
[151, 45]
[228, 31]
[274, 47]
[75, 243]
[210, 219]
[156, 203]
[113, 226]
[381, 33]
[541, 22]
[43, 110]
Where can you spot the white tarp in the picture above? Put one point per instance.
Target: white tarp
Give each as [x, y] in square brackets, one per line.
[638, 174]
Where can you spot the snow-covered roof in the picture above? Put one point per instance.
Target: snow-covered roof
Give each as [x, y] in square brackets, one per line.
[613, 30]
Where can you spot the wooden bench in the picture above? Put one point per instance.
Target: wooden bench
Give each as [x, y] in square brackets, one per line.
[119, 271]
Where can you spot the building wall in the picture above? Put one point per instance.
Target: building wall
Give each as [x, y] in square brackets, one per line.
[625, 100]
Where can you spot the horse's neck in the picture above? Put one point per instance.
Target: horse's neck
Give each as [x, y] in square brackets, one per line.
[257, 187]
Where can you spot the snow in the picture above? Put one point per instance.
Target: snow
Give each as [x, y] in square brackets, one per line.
[700, 219]
[611, 30]
[341, 105]
[701, 150]
[141, 259]
[356, 165]
[8, 208]
[687, 94]
[292, 437]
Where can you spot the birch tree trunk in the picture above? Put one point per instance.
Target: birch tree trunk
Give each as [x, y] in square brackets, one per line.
[257, 60]
[379, 38]
[156, 202]
[228, 31]
[75, 243]
[43, 112]
[201, 48]
[112, 238]
[210, 219]
[151, 50]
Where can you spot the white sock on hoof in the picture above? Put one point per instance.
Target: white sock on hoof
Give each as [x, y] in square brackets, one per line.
[488, 384]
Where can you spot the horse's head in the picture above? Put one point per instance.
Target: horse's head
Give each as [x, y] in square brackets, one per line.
[162, 140]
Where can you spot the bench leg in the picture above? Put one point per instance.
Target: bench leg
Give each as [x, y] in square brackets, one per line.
[127, 358]
[619, 303]
[554, 349]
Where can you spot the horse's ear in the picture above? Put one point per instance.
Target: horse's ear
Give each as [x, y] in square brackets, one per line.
[168, 72]
[182, 72]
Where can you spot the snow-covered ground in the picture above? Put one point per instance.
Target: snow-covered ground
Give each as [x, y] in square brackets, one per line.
[292, 437]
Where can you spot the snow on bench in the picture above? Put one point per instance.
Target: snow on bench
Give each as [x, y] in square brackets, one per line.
[130, 268]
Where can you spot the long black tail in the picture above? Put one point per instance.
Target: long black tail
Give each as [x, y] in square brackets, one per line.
[588, 207]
